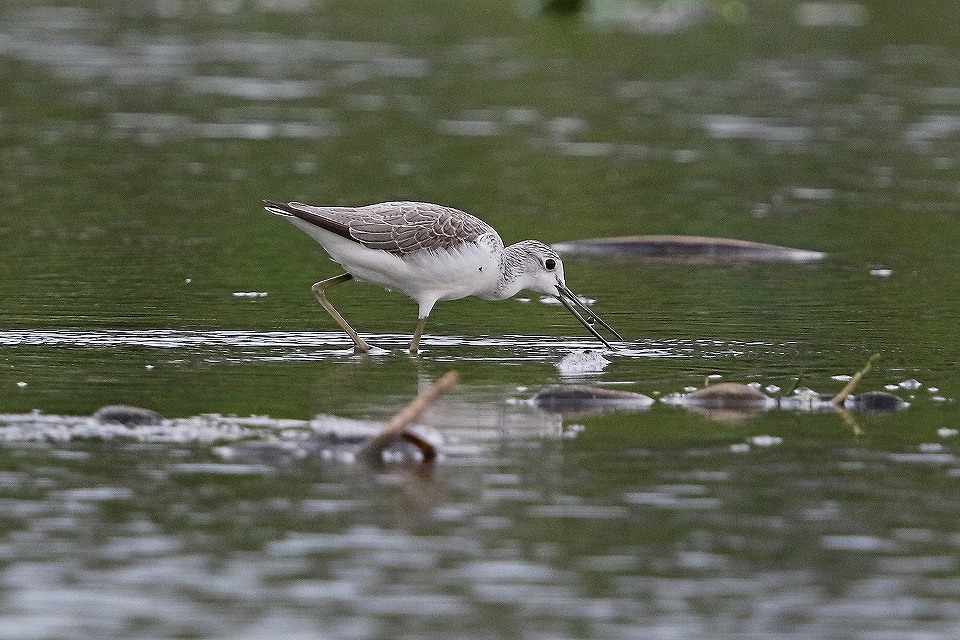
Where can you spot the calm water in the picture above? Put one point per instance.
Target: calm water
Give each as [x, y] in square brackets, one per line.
[136, 141]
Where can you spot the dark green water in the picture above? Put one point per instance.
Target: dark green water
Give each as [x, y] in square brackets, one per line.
[136, 141]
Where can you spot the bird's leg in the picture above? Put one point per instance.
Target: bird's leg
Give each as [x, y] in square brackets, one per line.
[415, 344]
[319, 292]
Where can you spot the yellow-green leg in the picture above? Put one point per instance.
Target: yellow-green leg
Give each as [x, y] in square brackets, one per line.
[415, 345]
[319, 292]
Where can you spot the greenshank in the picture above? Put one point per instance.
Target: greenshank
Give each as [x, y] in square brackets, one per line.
[430, 253]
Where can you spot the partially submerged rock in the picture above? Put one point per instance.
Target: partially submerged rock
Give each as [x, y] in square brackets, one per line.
[686, 250]
[731, 401]
[578, 398]
[127, 415]
[728, 395]
[724, 401]
[876, 402]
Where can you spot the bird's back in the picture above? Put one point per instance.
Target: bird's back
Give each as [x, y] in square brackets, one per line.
[400, 228]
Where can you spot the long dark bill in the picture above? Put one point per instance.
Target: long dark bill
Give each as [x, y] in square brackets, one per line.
[571, 301]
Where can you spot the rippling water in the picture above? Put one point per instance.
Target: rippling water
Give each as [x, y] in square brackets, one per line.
[136, 142]
[316, 345]
[696, 539]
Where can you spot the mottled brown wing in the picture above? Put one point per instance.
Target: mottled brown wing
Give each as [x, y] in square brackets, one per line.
[403, 228]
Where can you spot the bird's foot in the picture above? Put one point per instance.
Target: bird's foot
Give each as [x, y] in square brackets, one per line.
[362, 348]
[369, 350]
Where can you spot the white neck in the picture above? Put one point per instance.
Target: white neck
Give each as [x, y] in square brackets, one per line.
[512, 275]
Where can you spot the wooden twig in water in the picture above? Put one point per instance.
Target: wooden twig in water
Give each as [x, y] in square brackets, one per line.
[850, 421]
[397, 426]
[854, 381]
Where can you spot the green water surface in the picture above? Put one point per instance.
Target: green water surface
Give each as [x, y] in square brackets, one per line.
[136, 142]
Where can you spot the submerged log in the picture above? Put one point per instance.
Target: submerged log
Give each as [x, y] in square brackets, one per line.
[672, 249]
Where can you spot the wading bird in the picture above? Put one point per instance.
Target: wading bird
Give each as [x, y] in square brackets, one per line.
[430, 253]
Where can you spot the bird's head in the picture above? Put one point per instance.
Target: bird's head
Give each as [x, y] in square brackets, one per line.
[542, 271]
[542, 268]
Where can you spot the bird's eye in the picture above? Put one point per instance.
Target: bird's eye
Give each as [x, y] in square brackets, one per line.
[550, 264]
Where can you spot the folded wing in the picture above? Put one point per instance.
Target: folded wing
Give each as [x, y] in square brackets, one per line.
[401, 228]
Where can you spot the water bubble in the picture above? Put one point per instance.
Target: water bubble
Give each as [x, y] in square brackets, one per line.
[766, 441]
[582, 362]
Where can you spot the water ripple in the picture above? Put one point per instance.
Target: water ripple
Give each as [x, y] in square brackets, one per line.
[316, 345]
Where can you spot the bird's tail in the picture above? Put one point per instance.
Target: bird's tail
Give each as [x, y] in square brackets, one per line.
[279, 209]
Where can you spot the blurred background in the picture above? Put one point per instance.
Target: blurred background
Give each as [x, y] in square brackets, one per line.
[137, 139]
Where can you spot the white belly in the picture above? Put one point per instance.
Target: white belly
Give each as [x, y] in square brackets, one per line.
[425, 276]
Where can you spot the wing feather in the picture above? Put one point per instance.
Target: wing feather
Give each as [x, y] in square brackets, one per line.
[403, 228]
[400, 228]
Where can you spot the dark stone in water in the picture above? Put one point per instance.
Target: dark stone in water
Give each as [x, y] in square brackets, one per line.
[727, 395]
[686, 250]
[877, 402]
[569, 398]
[128, 415]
